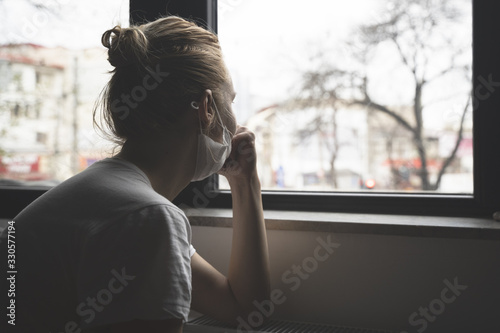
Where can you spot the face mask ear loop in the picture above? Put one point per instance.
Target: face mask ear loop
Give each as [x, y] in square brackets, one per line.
[218, 114]
[220, 120]
[201, 132]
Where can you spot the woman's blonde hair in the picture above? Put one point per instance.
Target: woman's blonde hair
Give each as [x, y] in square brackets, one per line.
[159, 69]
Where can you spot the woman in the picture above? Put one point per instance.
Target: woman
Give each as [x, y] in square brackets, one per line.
[106, 250]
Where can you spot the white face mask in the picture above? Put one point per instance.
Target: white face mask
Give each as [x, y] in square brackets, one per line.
[211, 154]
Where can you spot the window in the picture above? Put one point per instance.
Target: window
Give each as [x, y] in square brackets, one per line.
[481, 201]
[41, 137]
[53, 68]
[372, 95]
[258, 41]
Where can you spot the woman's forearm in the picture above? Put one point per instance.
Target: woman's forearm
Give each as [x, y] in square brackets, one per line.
[249, 263]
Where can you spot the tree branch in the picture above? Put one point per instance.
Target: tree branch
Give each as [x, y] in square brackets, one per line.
[444, 71]
[453, 153]
[368, 102]
[413, 68]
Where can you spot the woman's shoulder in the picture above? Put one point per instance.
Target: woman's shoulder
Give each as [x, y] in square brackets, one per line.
[117, 180]
[106, 189]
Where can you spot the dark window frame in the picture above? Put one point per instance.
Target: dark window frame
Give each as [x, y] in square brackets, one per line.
[486, 117]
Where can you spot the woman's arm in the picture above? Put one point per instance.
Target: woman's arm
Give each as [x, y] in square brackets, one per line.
[249, 264]
[226, 298]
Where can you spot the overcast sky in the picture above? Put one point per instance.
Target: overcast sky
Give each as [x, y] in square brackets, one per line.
[68, 23]
[267, 43]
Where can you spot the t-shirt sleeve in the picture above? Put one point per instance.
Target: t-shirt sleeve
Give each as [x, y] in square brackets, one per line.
[137, 267]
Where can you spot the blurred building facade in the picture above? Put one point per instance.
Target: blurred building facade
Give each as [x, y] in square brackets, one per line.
[373, 152]
[46, 101]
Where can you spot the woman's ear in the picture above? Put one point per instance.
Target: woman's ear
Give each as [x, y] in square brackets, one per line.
[205, 112]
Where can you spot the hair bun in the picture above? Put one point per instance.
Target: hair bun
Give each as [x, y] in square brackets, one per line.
[126, 46]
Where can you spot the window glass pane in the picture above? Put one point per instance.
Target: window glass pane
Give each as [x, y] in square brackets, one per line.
[360, 95]
[52, 68]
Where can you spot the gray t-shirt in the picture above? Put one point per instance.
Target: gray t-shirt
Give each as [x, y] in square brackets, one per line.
[100, 248]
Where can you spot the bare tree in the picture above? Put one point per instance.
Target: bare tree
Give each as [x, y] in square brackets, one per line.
[413, 31]
[324, 124]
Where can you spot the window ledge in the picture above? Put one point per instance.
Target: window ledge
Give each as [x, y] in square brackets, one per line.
[403, 225]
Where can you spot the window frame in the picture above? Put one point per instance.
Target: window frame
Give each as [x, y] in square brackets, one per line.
[484, 201]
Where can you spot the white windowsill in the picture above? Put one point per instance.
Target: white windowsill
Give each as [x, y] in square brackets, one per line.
[404, 225]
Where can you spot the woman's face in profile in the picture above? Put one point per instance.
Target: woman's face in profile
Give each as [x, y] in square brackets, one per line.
[227, 114]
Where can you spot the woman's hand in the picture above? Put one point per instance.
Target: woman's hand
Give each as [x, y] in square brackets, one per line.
[241, 164]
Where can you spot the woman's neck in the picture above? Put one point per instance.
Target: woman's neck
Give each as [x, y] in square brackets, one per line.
[168, 163]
